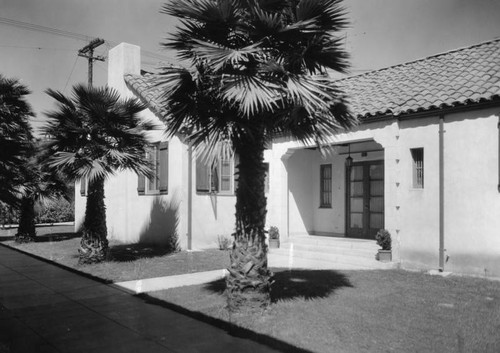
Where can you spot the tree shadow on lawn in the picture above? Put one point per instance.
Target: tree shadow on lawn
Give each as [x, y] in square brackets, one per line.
[55, 237]
[307, 284]
[132, 252]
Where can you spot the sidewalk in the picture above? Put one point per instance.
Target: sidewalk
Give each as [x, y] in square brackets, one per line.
[45, 308]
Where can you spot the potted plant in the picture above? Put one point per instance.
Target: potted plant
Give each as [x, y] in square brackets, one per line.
[383, 238]
[274, 237]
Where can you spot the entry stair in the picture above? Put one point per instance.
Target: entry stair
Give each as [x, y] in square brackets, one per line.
[332, 253]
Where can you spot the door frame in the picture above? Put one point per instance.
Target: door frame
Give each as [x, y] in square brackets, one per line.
[366, 189]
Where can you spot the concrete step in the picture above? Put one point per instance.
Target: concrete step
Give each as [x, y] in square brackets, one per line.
[337, 246]
[327, 253]
[332, 241]
[295, 262]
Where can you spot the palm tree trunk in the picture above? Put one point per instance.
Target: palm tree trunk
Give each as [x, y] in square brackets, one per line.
[26, 232]
[94, 243]
[249, 280]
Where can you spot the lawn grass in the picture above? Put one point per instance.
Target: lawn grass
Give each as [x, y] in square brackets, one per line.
[365, 311]
[316, 310]
[126, 262]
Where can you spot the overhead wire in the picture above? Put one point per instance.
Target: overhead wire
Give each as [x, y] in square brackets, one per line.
[35, 48]
[73, 35]
[71, 73]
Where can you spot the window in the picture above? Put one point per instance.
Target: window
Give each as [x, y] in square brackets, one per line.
[157, 155]
[222, 176]
[325, 186]
[219, 177]
[225, 175]
[417, 155]
[83, 186]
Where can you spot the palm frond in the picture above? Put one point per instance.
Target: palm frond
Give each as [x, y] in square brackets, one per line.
[257, 65]
[329, 14]
[218, 56]
[94, 133]
[251, 94]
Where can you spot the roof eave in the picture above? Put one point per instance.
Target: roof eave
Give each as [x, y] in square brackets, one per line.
[433, 111]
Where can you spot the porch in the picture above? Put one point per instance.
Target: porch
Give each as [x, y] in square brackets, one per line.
[329, 206]
[339, 192]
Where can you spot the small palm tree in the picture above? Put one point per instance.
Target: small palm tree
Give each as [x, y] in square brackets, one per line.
[258, 69]
[16, 138]
[90, 136]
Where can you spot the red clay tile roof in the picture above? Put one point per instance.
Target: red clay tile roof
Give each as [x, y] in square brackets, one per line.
[459, 77]
[145, 87]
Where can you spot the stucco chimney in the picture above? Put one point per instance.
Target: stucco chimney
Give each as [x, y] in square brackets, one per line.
[123, 59]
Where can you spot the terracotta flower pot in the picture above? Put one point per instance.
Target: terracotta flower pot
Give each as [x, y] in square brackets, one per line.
[274, 243]
[384, 255]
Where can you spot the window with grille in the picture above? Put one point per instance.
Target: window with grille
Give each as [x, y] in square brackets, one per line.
[417, 155]
[326, 185]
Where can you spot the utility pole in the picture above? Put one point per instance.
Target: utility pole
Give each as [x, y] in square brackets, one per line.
[88, 52]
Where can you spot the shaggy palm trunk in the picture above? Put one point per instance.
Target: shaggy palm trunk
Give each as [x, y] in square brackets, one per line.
[249, 280]
[26, 232]
[94, 243]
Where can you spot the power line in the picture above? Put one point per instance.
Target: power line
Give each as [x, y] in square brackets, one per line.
[38, 28]
[35, 48]
[73, 35]
[71, 73]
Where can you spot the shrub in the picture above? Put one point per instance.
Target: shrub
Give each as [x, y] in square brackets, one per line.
[383, 238]
[274, 232]
[56, 212]
[8, 214]
[224, 242]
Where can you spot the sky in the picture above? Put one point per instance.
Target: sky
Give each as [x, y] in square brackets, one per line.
[381, 33]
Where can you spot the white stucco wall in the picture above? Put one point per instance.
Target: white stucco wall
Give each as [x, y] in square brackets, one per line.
[418, 214]
[213, 216]
[471, 199]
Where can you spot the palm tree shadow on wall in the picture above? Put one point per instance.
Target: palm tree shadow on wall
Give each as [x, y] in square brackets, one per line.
[306, 284]
[163, 224]
[158, 238]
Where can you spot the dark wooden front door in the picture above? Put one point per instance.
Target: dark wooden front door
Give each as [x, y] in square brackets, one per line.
[365, 199]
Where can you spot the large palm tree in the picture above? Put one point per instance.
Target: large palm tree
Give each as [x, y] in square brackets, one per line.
[257, 69]
[16, 138]
[90, 136]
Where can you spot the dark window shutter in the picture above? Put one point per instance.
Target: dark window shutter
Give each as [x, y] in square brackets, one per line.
[236, 171]
[266, 180]
[152, 157]
[141, 184]
[215, 176]
[164, 167]
[202, 176]
[83, 187]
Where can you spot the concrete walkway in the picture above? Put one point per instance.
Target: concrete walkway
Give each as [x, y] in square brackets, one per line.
[46, 308]
[168, 282]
